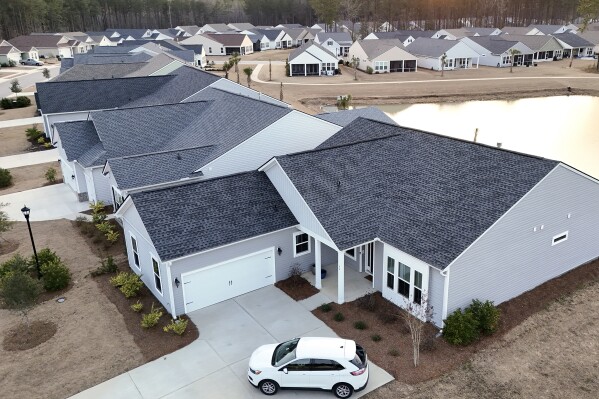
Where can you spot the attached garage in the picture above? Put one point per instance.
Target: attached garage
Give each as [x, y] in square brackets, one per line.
[219, 282]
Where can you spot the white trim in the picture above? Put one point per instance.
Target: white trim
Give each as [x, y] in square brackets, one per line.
[348, 255]
[445, 274]
[152, 260]
[571, 169]
[564, 235]
[295, 244]
[171, 295]
[135, 251]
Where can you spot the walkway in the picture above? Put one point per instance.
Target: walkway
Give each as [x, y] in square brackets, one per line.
[215, 365]
[22, 122]
[46, 203]
[30, 158]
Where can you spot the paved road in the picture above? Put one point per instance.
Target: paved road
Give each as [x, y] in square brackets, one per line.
[32, 75]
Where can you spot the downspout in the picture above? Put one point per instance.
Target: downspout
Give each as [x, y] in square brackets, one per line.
[445, 274]
[170, 291]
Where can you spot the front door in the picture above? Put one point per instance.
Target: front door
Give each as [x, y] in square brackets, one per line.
[368, 257]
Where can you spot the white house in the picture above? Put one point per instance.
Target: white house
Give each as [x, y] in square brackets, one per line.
[496, 53]
[45, 45]
[222, 43]
[276, 39]
[405, 38]
[215, 28]
[430, 52]
[311, 59]
[520, 30]
[574, 45]
[9, 53]
[382, 56]
[545, 47]
[337, 43]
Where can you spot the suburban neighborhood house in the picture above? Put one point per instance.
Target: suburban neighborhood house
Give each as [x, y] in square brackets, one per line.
[430, 53]
[337, 43]
[546, 48]
[382, 56]
[498, 53]
[221, 43]
[49, 45]
[312, 59]
[449, 232]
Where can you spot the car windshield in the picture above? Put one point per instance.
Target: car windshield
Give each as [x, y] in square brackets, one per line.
[285, 352]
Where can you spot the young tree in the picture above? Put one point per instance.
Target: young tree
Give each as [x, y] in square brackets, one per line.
[5, 223]
[443, 61]
[269, 70]
[281, 95]
[355, 62]
[227, 67]
[15, 86]
[248, 73]
[416, 316]
[344, 102]
[234, 59]
[46, 73]
[19, 292]
[513, 53]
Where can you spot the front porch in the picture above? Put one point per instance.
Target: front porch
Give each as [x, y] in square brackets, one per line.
[355, 283]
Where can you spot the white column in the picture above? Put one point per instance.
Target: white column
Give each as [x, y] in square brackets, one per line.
[340, 277]
[317, 260]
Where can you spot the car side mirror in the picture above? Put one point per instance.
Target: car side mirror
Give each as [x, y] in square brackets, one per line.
[285, 370]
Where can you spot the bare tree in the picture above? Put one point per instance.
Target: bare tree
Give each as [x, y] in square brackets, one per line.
[269, 70]
[443, 61]
[416, 317]
[350, 11]
[355, 62]
[281, 94]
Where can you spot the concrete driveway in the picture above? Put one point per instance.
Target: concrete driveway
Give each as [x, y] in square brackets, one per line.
[215, 365]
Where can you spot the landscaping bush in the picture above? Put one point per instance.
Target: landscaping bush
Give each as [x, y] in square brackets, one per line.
[41, 140]
[461, 328]
[393, 352]
[137, 306]
[360, 325]
[22, 102]
[5, 178]
[33, 133]
[176, 326]
[112, 236]
[12, 63]
[369, 70]
[51, 175]
[104, 227]
[6, 103]
[55, 275]
[46, 255]
[107, 266]
[376, 337]
[149, 320]
[326, 307]
[15, 264]
[367, 302]
[339, 317]
[79, 221]
[486, 315]
[98, 214]
[19, 291]
[128, 283]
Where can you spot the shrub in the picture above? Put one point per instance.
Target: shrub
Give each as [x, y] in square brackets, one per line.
[47, 145]
[360, 325]
[176, 326]
[461, 328]
[393, 352]
[149, 320]
[12, 63]
[55, 275]
[79, 220]
[50, 175]
[325, 307]
[486, 315]
[41, 140]
[339, 317]
[369, 70]
[15, 264]
[104, 226]
[6, 103]
[22, 102]
[19, 291]
[46, 255]
[137, 306]
[33, 133]
[5, 178]
[107, 265]
[112, 236]
[128, 282]
[98, 214]
[376, 337]
[367, 302]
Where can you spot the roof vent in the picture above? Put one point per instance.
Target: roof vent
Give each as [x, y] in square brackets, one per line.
[338, 183]
[179, 157]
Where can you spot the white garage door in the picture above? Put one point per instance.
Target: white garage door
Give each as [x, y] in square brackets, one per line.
[226, 280]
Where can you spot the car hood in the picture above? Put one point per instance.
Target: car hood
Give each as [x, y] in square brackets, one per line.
[262, 356]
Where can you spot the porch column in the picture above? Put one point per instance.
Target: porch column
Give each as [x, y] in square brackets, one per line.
[318, 263]
[340, 277]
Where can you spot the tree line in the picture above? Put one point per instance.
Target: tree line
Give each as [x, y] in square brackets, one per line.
[19, 17]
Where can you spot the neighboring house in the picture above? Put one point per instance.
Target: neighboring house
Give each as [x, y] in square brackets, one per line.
[130, 34]
[383, 55]
[574, 44]
[496, 53]
[9, 54]
[192, 30]
[290, 26]
[258, 39]
[353, 28]
[546, 48]
[296, 35]
[430, 52]
[320, 26]
[222, 43]
[520, 30]
[276, 39]
[168, 34]
[549, 29]
[311, 59]
[591, 36]
[214, 28]
[113, 37]
[485, 31]
[344, 118]
[455, 34]
[310, 35]
[199, 54]
[405, 39]
[45, 45]
[438, 234]
[241, 26]
[337, 43]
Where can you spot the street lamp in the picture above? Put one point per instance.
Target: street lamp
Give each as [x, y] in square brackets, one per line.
[26, 211]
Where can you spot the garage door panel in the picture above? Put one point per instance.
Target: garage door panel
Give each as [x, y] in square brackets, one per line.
[218, 283]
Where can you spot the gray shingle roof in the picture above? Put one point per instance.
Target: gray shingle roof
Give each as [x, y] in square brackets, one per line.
[195, 217]
[123, 48]
[428, 195]
[393, 35]
[227, 39]
[271, 34]
[77, 138]
[304, 47]
[96, 59]
[376, 47]
[431, 47]
[534, 42]
[196, 48]
[547, 29]
[482, 31]
[515, 30]
[134, 33]
[339, 37]
[573, 40]
[101, 71]
[344, 118]
[494, 46]
[38, 41]
[294, 33]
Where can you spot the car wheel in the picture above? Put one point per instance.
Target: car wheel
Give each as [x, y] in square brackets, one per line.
[268, 387]
[343, 390]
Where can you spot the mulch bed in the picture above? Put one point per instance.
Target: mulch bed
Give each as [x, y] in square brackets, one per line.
[394, 351]
[8, 246]
[152, 342]
[108, 209]
[57, 181]
[297, 287]
[98, 243]
[21, 338]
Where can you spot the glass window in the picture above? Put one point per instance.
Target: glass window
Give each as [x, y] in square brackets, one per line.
[134, 248]
[403, 280]
[302, 244]
[390, 272]
[285, 352]
[325, 365]
[417, 287]
[351, 253]
[157, 279]
[299, 365]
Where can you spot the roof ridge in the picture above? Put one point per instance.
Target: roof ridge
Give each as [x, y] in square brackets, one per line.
[102, 79]
[151, 106]
[162, 152]
[178, 183]
[246, 96]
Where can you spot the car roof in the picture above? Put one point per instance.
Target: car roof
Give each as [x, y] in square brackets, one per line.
[325, 348]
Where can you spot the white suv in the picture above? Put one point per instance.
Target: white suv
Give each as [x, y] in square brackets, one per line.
[315, 363]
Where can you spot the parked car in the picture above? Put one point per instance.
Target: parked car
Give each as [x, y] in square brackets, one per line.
[335, 364]
[31, 61]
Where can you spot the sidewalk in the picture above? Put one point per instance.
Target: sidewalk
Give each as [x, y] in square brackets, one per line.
[46, 203]
[30, 158]
[21, 122]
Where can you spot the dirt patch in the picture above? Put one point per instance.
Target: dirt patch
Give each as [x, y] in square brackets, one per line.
[8, 246]
[24, 337]
[18, 113]
[14, 140]
[296, 287]
[29, 177]
[96, 241]
[438, 357]
[152, 342]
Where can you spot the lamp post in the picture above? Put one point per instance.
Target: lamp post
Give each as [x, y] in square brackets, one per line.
[26, 211]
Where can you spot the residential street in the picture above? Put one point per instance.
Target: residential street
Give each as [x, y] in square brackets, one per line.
[27, 77]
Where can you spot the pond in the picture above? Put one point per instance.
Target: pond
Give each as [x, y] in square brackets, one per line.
[560, 128]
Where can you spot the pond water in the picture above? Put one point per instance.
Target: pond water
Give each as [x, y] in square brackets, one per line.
[560, 128]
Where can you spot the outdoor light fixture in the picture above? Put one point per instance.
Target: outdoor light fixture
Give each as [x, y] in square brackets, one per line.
[73, 177]
[279, 251]
[26, 211]
[177, 282]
